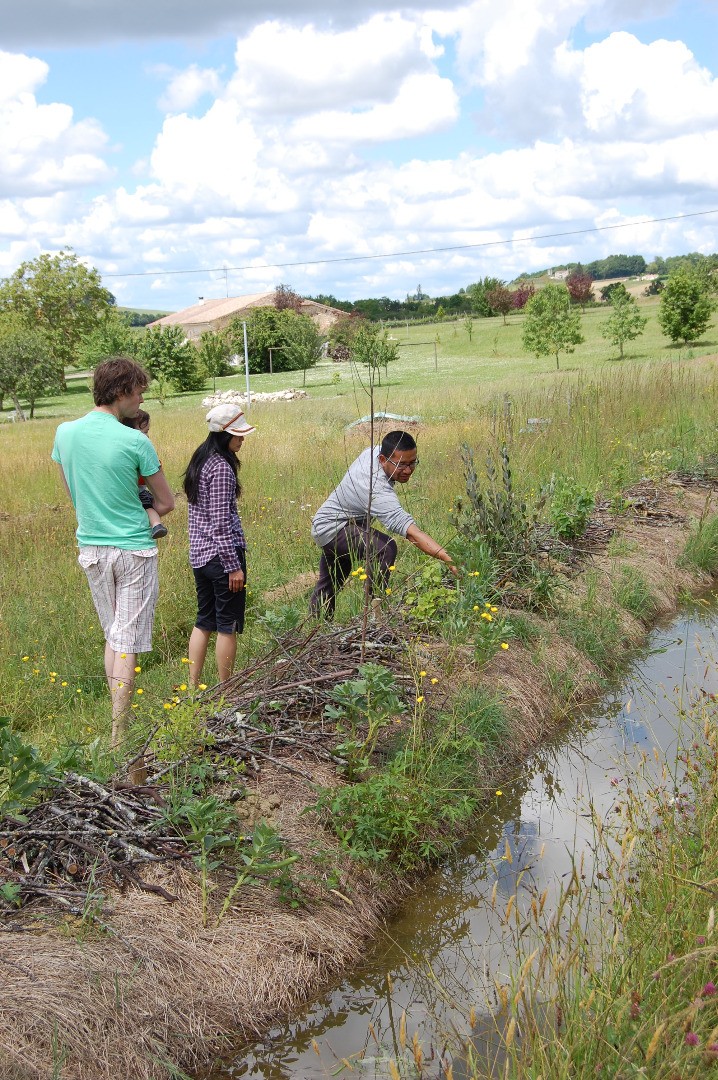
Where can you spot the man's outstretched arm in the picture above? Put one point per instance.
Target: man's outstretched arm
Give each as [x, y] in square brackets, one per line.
[429, 546]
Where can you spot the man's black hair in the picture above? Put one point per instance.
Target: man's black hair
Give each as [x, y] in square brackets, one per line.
[396, 440]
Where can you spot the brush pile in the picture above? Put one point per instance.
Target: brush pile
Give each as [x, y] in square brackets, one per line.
[85, 834]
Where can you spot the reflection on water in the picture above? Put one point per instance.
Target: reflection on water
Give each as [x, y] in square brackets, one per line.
[443, 951]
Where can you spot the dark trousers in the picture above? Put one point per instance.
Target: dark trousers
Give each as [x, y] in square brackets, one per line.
[350, 546]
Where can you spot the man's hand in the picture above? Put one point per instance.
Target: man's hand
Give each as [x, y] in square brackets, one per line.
[236, 580]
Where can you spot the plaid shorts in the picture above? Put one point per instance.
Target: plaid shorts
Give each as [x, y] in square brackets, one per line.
[124, 587]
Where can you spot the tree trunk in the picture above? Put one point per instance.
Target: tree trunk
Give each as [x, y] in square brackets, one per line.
[557, 367]
[18, 407]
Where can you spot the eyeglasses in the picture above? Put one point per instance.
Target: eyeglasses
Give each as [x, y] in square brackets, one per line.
[410, 465]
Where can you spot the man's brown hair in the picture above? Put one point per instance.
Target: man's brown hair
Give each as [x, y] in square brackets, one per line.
[117, 376]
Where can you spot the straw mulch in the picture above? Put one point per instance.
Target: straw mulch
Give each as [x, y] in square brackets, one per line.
[142, 982]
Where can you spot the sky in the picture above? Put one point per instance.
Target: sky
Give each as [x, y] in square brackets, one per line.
[356, 149]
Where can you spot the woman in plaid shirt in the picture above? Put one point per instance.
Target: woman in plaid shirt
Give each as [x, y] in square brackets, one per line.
[217, 545]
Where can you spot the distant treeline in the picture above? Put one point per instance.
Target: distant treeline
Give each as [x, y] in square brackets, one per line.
[141, 318]
[617, 266]
[383, 307]
[472, 300]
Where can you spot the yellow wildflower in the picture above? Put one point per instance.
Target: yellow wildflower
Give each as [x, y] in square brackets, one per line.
[202, 686]
[139, 690]
[138, 670]
[434, 681]
[183, 686]
[504, 644]
[420, 698]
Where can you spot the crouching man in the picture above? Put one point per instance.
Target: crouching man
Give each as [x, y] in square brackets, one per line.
[342, 525]
[100, 460]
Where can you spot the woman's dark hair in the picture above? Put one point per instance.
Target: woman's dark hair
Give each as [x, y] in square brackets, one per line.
[217, 442]
[116, 377]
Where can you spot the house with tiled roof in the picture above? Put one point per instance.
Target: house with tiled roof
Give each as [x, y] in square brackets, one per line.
[216, 314]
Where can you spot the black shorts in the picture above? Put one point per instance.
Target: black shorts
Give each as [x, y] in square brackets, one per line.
[217, 607]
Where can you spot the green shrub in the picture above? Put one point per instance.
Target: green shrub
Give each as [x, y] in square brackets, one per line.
[495, 512]
[407, 812]
[390, 815]
[570, 508]
[362, 708]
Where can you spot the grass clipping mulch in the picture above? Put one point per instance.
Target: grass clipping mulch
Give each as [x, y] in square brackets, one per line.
[126, 981]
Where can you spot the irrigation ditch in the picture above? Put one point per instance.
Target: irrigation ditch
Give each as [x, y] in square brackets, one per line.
[131, 944]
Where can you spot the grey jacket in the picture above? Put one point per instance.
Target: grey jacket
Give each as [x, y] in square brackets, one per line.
[350, 500]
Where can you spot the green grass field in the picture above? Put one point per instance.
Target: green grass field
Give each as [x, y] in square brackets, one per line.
[607, 423]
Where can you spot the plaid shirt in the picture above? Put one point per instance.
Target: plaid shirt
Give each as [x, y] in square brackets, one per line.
[214, 525]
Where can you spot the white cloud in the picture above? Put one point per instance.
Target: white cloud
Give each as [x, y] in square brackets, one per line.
[423, 104]
[287, 71]
[20, 75]
[653, 90]
[185, 88]
[43, 148]
[279, 165]
[214, 159]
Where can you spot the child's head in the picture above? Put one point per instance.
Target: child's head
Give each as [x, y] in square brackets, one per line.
[141, 422]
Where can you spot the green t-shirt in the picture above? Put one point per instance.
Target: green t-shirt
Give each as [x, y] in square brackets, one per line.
[102, 460]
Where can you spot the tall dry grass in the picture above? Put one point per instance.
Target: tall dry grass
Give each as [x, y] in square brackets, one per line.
[606, 430]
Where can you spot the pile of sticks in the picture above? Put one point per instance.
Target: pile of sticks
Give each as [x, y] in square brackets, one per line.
[276, 710]
[81, 834]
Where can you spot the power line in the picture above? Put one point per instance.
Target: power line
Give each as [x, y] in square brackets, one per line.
[417, 251]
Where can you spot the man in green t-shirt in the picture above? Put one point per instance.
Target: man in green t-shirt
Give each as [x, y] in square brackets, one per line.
[100, 459]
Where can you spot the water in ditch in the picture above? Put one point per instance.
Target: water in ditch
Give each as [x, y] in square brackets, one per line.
[447, 943]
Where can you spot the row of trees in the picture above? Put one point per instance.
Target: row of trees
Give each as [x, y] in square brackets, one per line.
[55, 313]
[552, 324]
